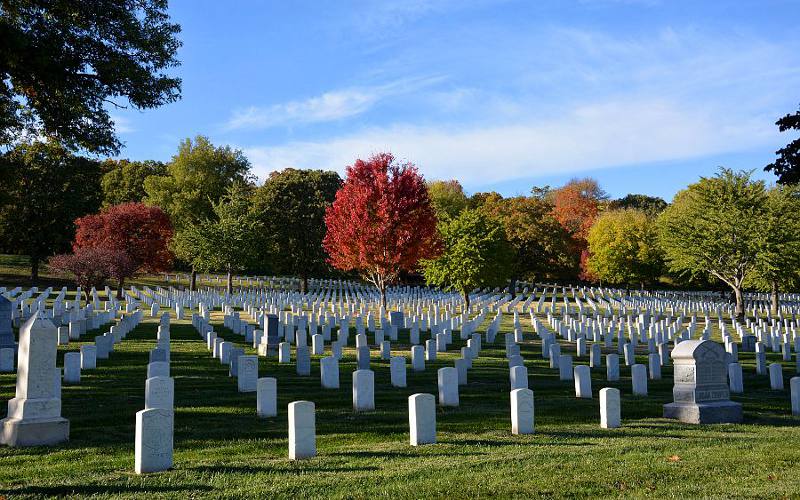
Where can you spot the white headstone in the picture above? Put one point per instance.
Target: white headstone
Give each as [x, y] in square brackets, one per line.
[448, 386]
[519, 377]
[159, 392]
[88, 357]
[247, 373]
[639, 380]
[329, 372]
[422, 419]
[610, 408]
[522, 418]
[363, 390]
[776, 377]
[153, 441]
[583, 382]
[397, 371]
[302, 430]
[267, 397]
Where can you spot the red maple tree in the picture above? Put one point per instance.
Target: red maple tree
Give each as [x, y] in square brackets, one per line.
[576, 206]
[140, 232]
[382, 221]
[91, 266]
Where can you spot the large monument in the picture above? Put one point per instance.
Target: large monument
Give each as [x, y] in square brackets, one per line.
[701, 394]
[34, 415]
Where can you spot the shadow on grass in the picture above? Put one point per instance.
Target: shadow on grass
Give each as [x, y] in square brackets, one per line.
[304, 469]
[99, 489]
[399, 454]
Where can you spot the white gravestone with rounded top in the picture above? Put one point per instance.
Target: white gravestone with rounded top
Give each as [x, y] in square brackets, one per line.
[701, 394]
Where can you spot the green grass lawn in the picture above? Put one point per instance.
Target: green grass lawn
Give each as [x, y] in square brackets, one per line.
[223, 450]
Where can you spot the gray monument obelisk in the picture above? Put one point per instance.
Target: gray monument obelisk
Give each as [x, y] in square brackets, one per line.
[34, 415]
[700, 393]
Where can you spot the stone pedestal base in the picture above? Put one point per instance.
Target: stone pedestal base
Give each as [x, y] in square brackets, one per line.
[721, 412]
[17, 432]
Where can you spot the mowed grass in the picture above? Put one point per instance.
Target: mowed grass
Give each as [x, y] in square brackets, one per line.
[222, 449]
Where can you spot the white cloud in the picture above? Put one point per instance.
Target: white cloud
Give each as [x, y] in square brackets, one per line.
[577, 102]
[122, 125]
[588, 137]
[330, 106]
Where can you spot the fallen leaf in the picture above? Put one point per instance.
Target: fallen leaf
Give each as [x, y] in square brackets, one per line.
[674, 458]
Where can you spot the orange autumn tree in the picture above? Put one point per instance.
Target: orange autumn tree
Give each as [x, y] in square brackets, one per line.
[576, 206]
[382, 222]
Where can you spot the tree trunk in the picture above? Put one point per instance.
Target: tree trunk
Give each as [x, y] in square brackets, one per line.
[383, 296]
[230, 281]
[304, 284]
[774, 302]
[34, 269]
[466, 298]
[512, 288]
[193, 280]
[120, 288]
[737, 293]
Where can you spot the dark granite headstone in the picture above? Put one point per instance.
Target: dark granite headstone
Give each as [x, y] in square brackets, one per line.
[271, 331]
[6, 333]
[748, 343]
[396, 319]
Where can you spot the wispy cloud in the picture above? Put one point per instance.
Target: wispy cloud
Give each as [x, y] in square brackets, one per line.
[613, 101]
[587, 137]
[329, 106]
[122, 125]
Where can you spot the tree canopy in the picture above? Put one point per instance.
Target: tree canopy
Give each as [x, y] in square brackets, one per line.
[227, 240]
[197, 177]
[542, 248]
[714, 228]
[64, 63]
[291, 208]
[576, 206]
[382, 221]
[651, 205]
[475, 253]
[623, 248]
[140, 232]
[778, 265]
[787, 165]
[44, 188]
[447, 197]
[123, 180]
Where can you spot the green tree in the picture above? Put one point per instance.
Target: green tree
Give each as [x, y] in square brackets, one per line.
[714, 228]
[123, 180]
[475, 253]
[226, 241]
[651, 205]
[447, 197]
[44, 189]
[787, 165]
[779, 247]
[198, 176]
[623, 248]
[291, 208]
[62, 64]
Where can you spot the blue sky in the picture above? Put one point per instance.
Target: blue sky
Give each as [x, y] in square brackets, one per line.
[645, 96]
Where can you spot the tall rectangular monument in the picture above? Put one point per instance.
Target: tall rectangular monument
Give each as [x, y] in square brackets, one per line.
[34, 415]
